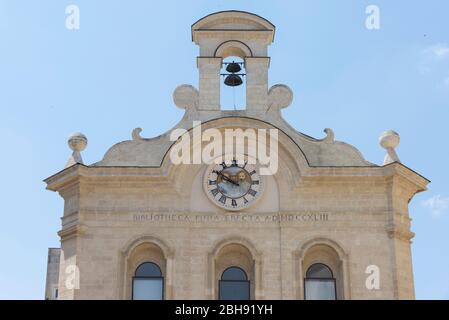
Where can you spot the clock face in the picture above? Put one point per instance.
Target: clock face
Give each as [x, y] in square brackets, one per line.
[232, 186]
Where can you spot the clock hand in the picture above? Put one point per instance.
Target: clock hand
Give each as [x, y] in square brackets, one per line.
[226, 178]
[230, 180]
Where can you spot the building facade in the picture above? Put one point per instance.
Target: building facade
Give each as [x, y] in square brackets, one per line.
[324, 223]
[52, 281]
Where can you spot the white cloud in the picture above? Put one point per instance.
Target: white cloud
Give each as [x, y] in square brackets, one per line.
[446, 82]
[435, 63]
[438, 205]
[439, 50]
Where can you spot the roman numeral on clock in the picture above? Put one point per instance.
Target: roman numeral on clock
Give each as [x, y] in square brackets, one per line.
[252, 192]
[234, 203]
[255, 182]
[212, 182]
[223, 199]
[252, 172]
[214, 192]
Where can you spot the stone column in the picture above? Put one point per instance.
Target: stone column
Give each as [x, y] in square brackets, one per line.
[69, 276]
[169, 278]
[398, 230]
[257, 83]
[209, 83]
[258, 288]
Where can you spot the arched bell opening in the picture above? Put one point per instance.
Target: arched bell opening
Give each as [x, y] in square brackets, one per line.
[233, 83]
[233, 48]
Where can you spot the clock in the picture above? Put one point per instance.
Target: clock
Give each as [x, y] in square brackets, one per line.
[232, 186]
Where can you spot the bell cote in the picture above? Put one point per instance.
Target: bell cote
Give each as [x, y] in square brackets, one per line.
[233, 34]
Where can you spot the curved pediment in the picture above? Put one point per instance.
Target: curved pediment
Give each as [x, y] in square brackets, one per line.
[232, 20]
[141, 152]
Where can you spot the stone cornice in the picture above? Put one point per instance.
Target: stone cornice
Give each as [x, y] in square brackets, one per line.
[400, 233]
[64, 177]
[366, 172]
[71, 232]
[267, 35]
[159, 175]
[398, 169]
[75, 172]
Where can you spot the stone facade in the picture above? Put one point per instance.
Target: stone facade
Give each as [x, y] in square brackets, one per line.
[325, 204]
[51, 283]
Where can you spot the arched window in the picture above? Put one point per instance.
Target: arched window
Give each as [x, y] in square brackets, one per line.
[319, 283]
[234, 285]
[148, 282]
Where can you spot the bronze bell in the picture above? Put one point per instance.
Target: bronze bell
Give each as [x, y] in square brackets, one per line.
[233, 67]
[233, 80]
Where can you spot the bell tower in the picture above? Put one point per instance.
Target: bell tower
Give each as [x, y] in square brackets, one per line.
[233, 33]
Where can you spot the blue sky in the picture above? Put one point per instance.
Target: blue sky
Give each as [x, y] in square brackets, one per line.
[119, 70]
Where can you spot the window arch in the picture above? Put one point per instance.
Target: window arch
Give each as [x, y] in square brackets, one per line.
[233, 48]
[319, 283]
[148, 282]
[234, 284]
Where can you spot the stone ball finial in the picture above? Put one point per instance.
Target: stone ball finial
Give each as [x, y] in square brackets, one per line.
[389, 140]
[77, 142]
[186, 97]
[280, 96]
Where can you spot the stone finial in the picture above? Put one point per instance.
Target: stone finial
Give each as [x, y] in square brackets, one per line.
[330, 136]
[389, 140]
[136, 134]
[186, 97]
[279, 96]
[77, 142]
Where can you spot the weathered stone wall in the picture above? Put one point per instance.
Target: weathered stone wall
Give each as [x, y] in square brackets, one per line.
[349, 215]
[51, 283]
